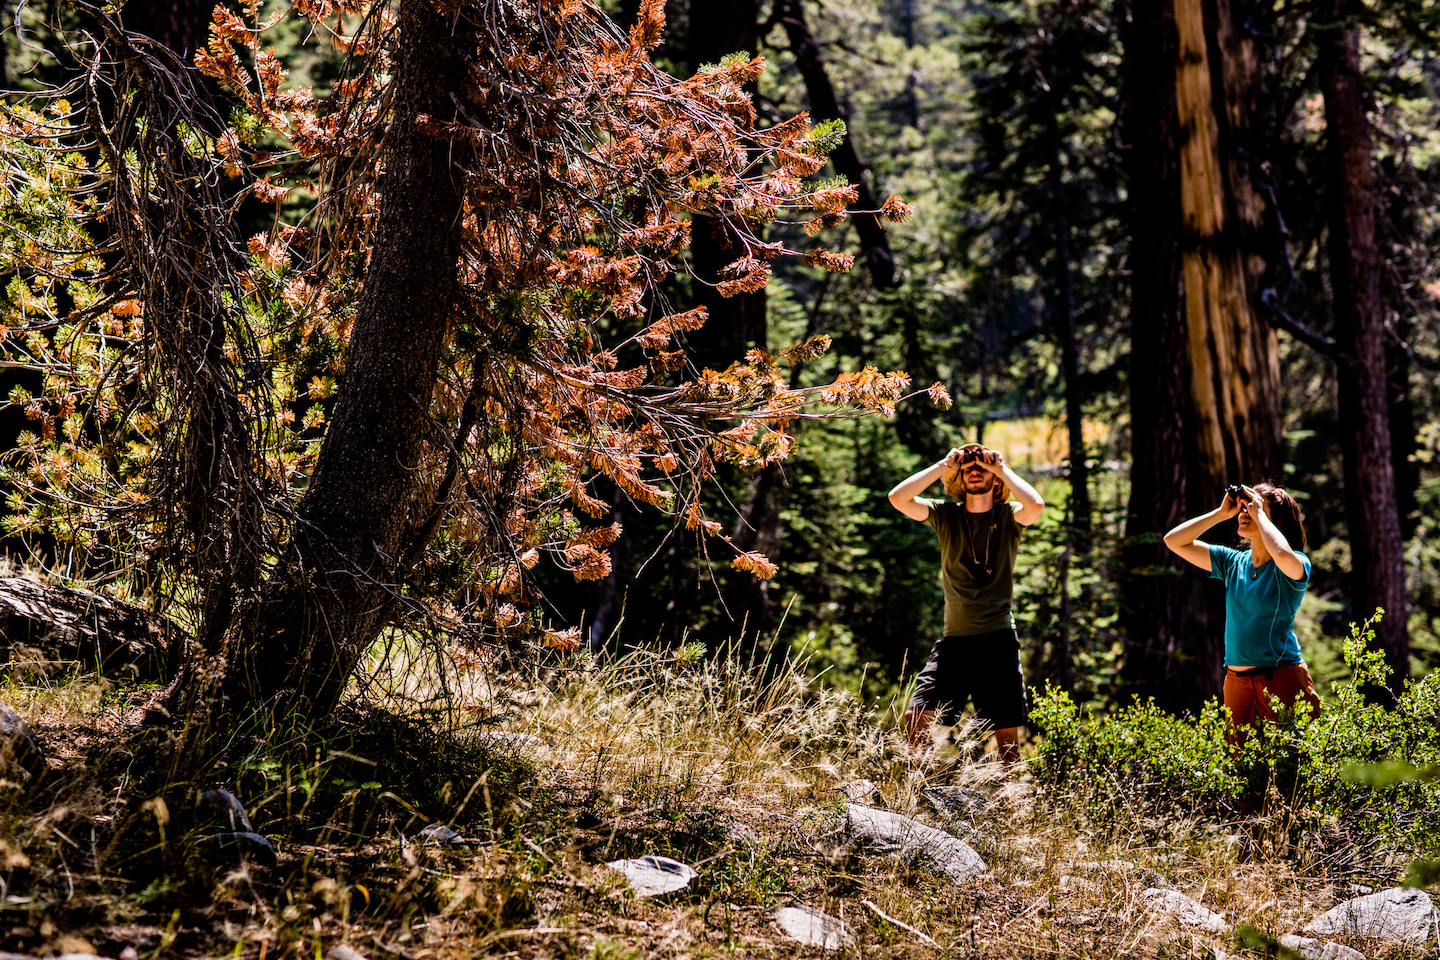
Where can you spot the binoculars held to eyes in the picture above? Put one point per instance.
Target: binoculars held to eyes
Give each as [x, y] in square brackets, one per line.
[1238, 492]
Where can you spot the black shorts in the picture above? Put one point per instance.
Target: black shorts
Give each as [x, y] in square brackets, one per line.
[984, 667]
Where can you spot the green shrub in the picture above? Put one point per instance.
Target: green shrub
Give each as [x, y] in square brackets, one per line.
[1342, 763]
[1138, 753]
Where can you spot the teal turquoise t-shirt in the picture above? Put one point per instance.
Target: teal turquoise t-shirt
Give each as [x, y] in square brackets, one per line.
[1260, 605]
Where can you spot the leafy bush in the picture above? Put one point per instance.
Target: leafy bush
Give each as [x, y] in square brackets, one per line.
[1138, 752]
[1359, 760]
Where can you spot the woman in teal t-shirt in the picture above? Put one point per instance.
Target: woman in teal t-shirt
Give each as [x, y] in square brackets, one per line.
[1264, 585]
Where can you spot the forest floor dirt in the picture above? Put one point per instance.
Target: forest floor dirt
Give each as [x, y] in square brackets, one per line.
[113, 854]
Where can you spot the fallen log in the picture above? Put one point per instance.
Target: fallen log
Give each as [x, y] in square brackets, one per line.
[44, 628]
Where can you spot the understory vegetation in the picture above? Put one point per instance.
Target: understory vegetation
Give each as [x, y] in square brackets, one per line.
[728, 764]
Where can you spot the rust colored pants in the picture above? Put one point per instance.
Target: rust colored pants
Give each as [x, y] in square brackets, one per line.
[1248, 694]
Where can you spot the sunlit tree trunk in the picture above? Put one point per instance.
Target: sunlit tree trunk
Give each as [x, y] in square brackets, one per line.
[1234, 367]
[1376, 545]
[1205, 395]
[335, 585]
[1171, 641]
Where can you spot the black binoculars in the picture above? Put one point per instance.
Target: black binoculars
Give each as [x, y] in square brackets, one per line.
[1238, 492]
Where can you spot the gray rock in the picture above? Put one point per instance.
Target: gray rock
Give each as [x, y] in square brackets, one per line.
[889, 834]
[812, 928]
[220, 806]
[1189, 912]
[239, 846]
[344, 952]
[1319, 949]
[20, 751]
[956, 801]
[439, 833]
[1396, 914]
[860, 791]
[650, 876]
[741, 835]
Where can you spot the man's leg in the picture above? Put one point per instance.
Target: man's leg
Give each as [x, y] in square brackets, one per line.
[999, 689]
[930, 687]
[1007, 741]
[917, 726]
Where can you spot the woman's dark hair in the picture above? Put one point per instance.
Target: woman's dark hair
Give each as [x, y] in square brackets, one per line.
[1284, 513]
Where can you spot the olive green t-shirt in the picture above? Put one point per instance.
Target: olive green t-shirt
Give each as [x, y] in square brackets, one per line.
[976, 601]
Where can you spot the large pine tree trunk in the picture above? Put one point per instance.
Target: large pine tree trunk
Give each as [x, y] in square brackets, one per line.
[1234, 366]
[1376, 546]
[336, 583]
[1208, 393]
[1171, 642]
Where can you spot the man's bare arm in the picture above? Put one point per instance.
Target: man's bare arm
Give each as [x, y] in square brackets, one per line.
[1031, 503]
[902, 498]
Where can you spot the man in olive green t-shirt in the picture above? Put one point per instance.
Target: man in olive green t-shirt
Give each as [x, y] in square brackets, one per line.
[979, 530]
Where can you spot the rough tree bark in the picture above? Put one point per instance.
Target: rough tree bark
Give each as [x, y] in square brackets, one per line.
[1205, 396]
[874, 246]
[1376, 545]
[1171, 645]
[1234, 366]
[335, 584]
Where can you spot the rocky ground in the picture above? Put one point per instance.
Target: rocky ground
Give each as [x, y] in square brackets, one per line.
[642, 814]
